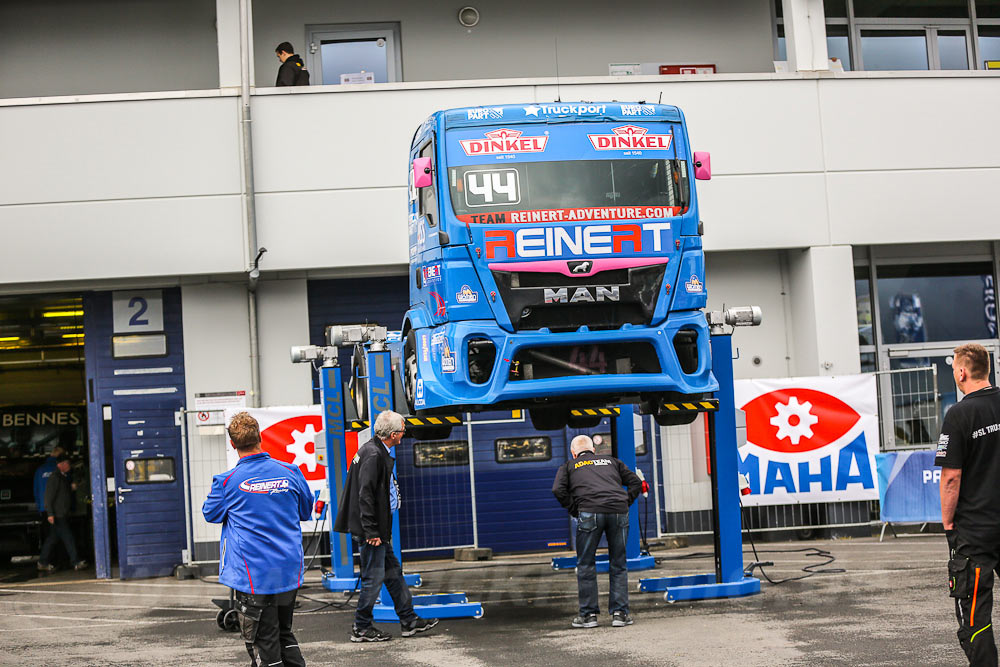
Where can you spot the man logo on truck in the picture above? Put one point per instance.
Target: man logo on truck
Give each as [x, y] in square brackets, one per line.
[582, 294]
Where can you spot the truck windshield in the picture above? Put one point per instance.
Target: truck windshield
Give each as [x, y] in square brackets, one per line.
[570, 190]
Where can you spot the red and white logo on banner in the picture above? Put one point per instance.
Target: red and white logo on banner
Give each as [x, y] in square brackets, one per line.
[504, 140]
[809, 439]
[630, 136]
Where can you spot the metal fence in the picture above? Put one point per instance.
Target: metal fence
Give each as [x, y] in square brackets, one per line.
[909, 408]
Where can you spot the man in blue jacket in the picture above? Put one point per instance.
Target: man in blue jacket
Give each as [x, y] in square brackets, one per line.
[260, 503]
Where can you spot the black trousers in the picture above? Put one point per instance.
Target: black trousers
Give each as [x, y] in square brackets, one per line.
[266, 627]
[971, 571]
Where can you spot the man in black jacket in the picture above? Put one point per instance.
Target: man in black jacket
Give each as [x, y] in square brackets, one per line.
[590, 487]
[58, 503]
[293, 71]
[369, 498]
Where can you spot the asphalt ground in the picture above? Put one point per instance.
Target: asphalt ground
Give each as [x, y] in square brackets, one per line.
[889, 607]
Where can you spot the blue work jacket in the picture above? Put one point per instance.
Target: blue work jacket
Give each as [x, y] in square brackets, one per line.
[260, 503]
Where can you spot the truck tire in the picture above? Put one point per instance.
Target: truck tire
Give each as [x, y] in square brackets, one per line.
[358, 384]
[410, 371]
[548, 419]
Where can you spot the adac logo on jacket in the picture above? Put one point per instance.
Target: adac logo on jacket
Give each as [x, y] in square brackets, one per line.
[265, 486]
[293, 441]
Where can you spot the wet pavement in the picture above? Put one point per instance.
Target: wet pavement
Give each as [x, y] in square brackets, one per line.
[889, 607]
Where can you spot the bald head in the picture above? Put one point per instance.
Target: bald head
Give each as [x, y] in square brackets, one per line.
[581, 443]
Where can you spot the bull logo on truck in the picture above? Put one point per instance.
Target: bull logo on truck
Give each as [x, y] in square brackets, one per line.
[580, 267]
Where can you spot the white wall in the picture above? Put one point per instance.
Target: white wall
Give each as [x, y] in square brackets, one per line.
[284, 321]
[216, 358]
[527, 39]
[806, 162]
[74, 47]
[753, 279]
[120, 189]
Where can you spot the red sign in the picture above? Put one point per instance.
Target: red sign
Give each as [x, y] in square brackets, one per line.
[502, 141]
[687, 69]
[294, 441]
[630, 136]
[797, 420]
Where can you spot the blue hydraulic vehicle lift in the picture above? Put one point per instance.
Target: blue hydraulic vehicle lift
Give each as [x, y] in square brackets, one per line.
[729, 579]
[343, 577]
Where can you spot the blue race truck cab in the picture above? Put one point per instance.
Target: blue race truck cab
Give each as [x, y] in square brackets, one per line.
[555, 261]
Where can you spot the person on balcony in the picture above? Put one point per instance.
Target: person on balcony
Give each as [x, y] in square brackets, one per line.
[293, 71]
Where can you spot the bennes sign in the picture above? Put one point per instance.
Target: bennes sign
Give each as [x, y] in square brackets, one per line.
[809, 439]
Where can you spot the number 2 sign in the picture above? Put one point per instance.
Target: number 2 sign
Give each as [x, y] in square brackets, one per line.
[137, 311]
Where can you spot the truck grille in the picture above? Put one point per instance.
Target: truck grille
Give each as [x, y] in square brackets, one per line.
[605, 300]
[594, 359]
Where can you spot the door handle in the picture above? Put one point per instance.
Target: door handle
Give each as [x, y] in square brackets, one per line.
[121, 492]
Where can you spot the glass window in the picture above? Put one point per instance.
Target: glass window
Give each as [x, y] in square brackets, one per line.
[568, 184]
[894, 49]
[602, 445]
[868, 362]
[862, 296]
[347, 60]
[989, 43]
[515, 450]
[428, 198]
[444, 453]
[952, 49]
[988, 9]
[838, 45]
[139, 345]
[149, 471]
[956, 9]
[936, 302]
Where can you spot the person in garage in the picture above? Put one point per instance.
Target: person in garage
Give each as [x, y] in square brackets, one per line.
[260, 504]
[968, 452]
[591, 487]
[58, 506]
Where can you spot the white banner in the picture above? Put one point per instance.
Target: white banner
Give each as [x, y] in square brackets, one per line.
[809, 439]
[290, 434]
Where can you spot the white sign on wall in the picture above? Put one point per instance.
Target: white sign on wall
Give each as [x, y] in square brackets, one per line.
[809, 439]
[209, 407]
[136, 312]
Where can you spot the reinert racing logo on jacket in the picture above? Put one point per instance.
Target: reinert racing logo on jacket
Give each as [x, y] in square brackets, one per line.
[267, 486]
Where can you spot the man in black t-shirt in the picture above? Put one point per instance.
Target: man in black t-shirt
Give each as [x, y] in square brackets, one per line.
[969, 455]
[590, 486]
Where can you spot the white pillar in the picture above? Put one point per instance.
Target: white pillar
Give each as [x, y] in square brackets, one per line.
[823, 313]
[283, 314]
[227, 28]
[805, 35]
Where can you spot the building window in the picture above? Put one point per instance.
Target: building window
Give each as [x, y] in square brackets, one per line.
[921, 303]
[354, 53]
[863, 298]
[157, 470]
[438, 454]
[889, 35]
[518, 450]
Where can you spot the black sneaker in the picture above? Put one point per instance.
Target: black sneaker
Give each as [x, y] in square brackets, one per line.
[81, 565]
[419, 625]
[585, 621]
[620, 619]
[369, 634]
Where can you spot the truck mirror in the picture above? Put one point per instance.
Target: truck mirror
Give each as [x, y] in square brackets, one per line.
[422, 172]
[702, 165]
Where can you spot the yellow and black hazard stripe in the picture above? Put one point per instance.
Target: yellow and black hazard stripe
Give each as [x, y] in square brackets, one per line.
[361, 424]
[701, 405]
[594, 412]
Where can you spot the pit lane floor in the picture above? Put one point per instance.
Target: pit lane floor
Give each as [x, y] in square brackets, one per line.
[890, 607]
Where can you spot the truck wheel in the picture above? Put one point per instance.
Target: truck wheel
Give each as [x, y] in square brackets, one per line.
[410, 370]
[548, 419]
[584, 421]
[358, 385]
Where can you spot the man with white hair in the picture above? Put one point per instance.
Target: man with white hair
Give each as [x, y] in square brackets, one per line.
[369, 498]
[590, 487]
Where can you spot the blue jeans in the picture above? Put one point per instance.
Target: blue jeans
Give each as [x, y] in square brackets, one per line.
[379, 565]
[589, 529]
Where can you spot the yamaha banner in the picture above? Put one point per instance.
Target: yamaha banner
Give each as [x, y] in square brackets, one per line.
[909, 487]
[809, 439]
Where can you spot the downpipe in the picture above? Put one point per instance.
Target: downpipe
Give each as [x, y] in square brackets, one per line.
[249, 203]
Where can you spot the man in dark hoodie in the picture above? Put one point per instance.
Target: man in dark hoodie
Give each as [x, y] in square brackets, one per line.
[58, 503]
[293, 71]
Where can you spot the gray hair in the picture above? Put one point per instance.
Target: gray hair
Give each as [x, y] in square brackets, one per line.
[387, 423]
[581, 443]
